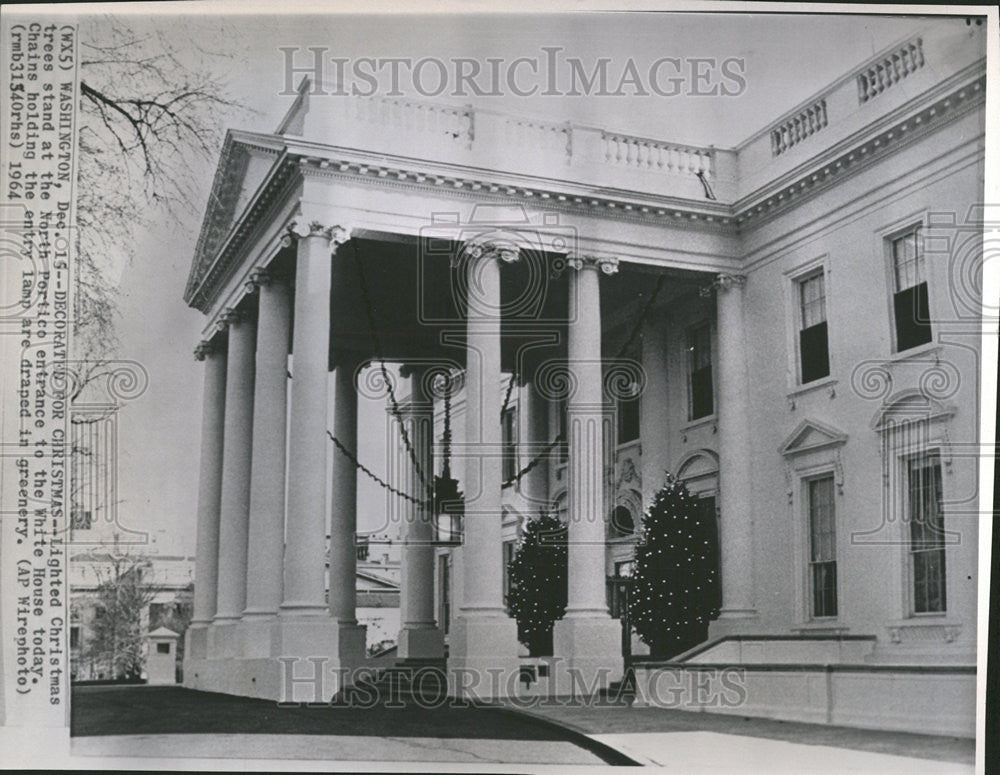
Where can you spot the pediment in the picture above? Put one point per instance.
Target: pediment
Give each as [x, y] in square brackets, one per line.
[811, 435]
[698, 464]
[910, 406]
[243, 165]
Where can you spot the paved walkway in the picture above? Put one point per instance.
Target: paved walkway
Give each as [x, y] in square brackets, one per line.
[141, 721]
[689, 742]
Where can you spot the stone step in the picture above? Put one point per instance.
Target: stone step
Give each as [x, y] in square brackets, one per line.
[426, 684]
[620, 692]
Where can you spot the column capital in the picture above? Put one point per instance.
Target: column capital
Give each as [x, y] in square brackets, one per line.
[505, 252]
[337, 234]
[231, 316]
[204, 348]
[258, 277]
[606, 264]
[724, 281]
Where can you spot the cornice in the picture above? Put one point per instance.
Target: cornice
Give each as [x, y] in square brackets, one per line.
[476, 183]
[296, 160]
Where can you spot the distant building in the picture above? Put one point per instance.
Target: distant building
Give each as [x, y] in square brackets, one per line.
[169, 577]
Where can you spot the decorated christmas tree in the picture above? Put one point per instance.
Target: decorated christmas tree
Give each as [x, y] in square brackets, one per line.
[674, 593]
[538, 582]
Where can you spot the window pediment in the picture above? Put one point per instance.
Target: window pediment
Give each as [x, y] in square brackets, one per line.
[910, 406]
[810, 436]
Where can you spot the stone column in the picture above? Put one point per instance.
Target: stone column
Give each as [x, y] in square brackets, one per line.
[236, 455]
[267, 482]
[419, 637]
[735, 494]
[587, 639]
[306, 518]
[483, 637]
[224, 636]
[209, 498]
[344, 495]
[308, 639]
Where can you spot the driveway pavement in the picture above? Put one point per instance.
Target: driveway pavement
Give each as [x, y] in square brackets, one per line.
[141, 721]
[697, 742]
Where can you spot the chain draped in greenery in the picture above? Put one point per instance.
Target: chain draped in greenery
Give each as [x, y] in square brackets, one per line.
[446, 438]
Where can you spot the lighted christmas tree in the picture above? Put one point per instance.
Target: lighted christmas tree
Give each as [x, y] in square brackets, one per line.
[674, 593]
[538, 582]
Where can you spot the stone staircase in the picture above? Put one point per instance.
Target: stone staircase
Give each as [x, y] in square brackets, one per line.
[621, 692]
[421, 682]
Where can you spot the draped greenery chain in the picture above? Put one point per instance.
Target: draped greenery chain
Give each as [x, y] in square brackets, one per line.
[431, 501]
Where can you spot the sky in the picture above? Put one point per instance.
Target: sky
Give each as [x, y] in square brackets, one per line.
[786, 59]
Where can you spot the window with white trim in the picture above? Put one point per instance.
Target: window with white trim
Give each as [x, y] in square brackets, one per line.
[910, 306]
[926, 533]
[701, 401]
[822, 547]
[814, 350]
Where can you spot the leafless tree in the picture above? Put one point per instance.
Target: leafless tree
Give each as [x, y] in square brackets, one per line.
[152, 111]
[122, 600]
[153, 108]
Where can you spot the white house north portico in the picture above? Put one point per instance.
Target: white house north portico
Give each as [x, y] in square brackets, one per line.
[527, 265]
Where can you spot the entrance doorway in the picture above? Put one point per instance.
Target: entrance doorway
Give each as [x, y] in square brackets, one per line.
[619, 589]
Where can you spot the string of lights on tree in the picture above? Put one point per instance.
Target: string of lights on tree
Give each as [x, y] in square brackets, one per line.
[538, 582]
[674, 581]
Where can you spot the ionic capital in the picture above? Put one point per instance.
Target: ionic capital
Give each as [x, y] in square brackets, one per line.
[258, 277]
[336, 234]
[504, 252]
[203, 349]
[606, 264]
[231, 316]
[724, 281]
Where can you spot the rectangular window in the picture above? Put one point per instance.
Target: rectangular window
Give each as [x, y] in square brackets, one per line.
[162, 648]
[911, 310]
[618, 588]
[699, 358]
[822, 548]
[509, 550]
[74, 637]
[628, 419]
[509, 443]
[814, 351]
[926, 518]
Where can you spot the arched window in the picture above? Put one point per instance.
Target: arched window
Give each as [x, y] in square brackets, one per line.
[622, 521]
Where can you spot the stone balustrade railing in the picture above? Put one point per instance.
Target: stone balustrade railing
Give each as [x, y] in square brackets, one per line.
[645, 154]
[798, 127]
[480, 137]
[892, 69]
[855, 100]
[436, 120]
